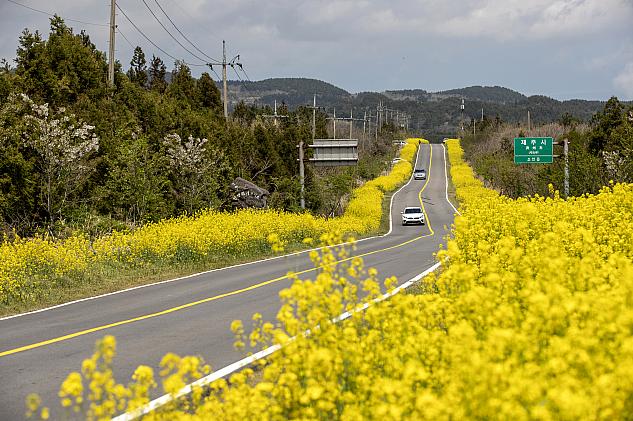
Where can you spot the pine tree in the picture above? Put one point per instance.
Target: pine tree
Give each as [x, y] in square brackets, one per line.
[157, 72]
[208, 92]
[182, 84]
[138, 69]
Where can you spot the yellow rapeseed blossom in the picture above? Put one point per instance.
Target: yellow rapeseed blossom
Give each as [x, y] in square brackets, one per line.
[207, 235]
[530, 318]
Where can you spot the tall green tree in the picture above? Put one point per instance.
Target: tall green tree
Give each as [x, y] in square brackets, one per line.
[61, 69]
[157, 73]
[138, 70]
[183, 85]
[208, 93]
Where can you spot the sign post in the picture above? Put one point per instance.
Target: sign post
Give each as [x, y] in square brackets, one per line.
[533, 150]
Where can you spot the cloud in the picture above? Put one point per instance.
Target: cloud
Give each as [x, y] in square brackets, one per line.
[624, 80]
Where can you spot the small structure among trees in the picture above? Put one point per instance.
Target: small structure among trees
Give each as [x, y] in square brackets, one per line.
[246, 194]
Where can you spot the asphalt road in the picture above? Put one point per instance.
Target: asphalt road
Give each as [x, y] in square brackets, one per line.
[192, 316]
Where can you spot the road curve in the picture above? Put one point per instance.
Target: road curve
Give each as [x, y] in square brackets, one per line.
[192, 316]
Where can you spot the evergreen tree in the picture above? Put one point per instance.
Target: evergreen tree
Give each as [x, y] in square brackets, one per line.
[183, 85]
[157, 72]
[138, 69]
[208, 92]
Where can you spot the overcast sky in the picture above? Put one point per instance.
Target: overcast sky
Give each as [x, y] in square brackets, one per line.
[559, 48]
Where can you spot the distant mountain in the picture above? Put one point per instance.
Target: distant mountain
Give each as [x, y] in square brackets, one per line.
[293, 92]
[434, 114]
[496, 94]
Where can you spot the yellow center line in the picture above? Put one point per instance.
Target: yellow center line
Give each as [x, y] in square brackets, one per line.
[227, 294]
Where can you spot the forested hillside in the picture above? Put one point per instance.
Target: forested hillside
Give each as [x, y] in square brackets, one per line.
[434, 114]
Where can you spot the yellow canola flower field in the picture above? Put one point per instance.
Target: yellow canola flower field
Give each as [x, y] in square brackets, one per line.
[26, 264]
[530, 318]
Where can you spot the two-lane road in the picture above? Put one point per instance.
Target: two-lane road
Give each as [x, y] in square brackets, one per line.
[191, 316]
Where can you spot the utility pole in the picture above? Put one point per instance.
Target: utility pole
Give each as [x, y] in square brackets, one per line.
[314, 117]
[112, 36]
[351, 122]
[566, 182]
[482, 114]
[334, 120]
[529, 128]
[224, 84]
[364, 124]
[461, 119]
[302, 175]
[275, 116]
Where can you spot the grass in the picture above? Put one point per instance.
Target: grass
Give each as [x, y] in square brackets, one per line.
[106, 279]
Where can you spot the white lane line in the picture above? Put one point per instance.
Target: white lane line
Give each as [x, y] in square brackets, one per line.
[238, 365]
[219, 269]
[446, 176]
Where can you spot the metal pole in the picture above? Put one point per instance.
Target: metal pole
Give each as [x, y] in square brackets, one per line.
[314, 117]
[225, 89]
[529, 128]
[112, 36]
[302, 175]
[351, 122]
[334, 123]
[566, 152]
[364, 124]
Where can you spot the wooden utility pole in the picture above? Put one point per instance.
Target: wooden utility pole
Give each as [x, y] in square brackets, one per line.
[224, 83]
[112, 36]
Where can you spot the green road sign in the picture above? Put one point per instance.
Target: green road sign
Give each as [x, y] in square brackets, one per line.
[533, 150]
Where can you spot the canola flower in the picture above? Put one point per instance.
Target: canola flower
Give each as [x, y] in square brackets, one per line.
[530, 318]
[27, 264]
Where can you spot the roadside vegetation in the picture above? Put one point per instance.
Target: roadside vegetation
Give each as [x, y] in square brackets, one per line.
[41, 271]
[529, 318]
[103, 187]
[599, 151]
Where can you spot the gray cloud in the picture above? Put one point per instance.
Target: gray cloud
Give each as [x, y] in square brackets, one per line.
[562, 48]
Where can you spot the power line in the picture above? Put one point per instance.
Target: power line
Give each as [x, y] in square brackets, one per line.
[152, 42]
[245, 74]
[125, 38]
[169, 33]
[216, 73]
[183, 35]
[53, 15]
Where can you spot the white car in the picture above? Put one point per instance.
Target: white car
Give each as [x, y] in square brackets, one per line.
[412, 215]
[419, 174]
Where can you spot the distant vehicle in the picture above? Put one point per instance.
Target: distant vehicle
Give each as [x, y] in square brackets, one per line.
[396, 160]
[399, 142]
[412, 215]
[419, 174]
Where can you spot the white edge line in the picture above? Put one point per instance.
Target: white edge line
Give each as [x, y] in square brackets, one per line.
[219, 269]
[231, 368]
[446, 176]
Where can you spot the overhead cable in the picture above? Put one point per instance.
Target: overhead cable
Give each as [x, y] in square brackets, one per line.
[152, 42]
[169, 33]
[53, 15]
[184, 36]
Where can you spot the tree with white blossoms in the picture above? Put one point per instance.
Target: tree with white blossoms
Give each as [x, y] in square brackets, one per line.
[192, 162]
[63, 144]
